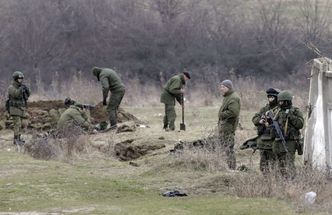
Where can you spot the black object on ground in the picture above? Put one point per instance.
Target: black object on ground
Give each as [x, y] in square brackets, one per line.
[174, 193]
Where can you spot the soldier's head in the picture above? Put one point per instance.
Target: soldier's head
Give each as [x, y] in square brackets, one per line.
[96, 72]
[272, 95]
[285, 99]
[69, 101]
[18, 76]
[225, 86]
[186, 75]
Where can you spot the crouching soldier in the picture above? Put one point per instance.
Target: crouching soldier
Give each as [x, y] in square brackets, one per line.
[287, 139]
[16, 105]
[264, 127]
[74, 117]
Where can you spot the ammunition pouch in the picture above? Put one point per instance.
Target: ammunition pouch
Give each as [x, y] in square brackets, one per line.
[16, 103]
[265, 137]
[299, 146]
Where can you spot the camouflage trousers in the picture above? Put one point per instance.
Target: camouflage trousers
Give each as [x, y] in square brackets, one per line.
[170, 116]
[227, 146]
[286, 164]
[17, 121]
[113, 106]
[267, 161]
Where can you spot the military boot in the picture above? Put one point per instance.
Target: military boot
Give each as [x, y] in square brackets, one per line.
[18, 140]
[165, 126]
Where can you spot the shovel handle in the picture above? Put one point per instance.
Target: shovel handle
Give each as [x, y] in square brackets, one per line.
[182, 108]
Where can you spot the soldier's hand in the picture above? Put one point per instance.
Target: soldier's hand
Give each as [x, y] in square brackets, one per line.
[262, 121]
[182, 91]
[268, 114]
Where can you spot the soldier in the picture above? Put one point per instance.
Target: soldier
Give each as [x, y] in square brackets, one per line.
[110, 81]
[290, 120]
[173, 90]
[228, 120]
[18, 95]
[75, 115]
[264, 127]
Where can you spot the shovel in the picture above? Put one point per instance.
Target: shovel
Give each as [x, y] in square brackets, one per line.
[182, 125]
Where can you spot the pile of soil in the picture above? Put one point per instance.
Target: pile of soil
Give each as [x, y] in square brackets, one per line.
[127, 151]
[43, 115]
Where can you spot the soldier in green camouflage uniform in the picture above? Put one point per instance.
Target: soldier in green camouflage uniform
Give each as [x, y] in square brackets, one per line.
[110, 81]
[264, 128]
[74, 116]
[18, 94]
[228, 120]
[290, 120]
[173, 90]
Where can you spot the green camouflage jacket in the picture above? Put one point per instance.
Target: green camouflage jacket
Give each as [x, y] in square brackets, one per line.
[229, 112]
[17, 101]
[74, 115]
[290, 121]
[265, 139]
[172, 90]
[110, 81]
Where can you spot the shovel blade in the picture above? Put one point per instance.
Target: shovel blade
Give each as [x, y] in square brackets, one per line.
[182, 127]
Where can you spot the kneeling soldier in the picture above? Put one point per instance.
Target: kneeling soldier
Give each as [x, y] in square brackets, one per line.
[75, 115]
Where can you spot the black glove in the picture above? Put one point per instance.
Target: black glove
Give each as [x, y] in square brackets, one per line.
[104, 102]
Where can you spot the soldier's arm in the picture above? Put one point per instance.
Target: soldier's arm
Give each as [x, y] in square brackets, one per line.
[257, 117]
[14, 93]
[105, 86]
[79, 119]
[232, 111]
[296, 119]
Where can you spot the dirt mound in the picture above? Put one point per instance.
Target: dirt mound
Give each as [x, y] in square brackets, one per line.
[127, 151]
[99, 114]
[43, 115]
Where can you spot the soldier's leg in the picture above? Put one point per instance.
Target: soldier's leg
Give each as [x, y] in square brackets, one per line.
[264, 162]
[281, 159]
[271, 158]
[228, 145]
[290, 165]
[171, 115]
[17, 121]
[113, 106]
[165, 121]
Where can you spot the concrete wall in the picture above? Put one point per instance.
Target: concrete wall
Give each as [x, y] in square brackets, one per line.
[318, 133]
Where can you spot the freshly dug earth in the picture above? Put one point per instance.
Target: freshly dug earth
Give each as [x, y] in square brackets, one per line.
[43, 115]
[127, 151]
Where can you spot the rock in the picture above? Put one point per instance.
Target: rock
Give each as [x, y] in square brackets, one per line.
[126, 127]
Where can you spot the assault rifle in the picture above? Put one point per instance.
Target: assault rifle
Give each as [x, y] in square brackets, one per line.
[278, 130]
[88, 106]
[25, 93]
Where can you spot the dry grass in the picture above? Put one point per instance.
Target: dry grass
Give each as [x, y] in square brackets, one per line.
[58, 145]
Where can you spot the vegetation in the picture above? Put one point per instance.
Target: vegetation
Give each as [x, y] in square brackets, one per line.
[152, 39]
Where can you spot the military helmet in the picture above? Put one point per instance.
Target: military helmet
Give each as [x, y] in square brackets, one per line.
[272, 92]
[285, 96]
[17, 75]
[69, 101]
